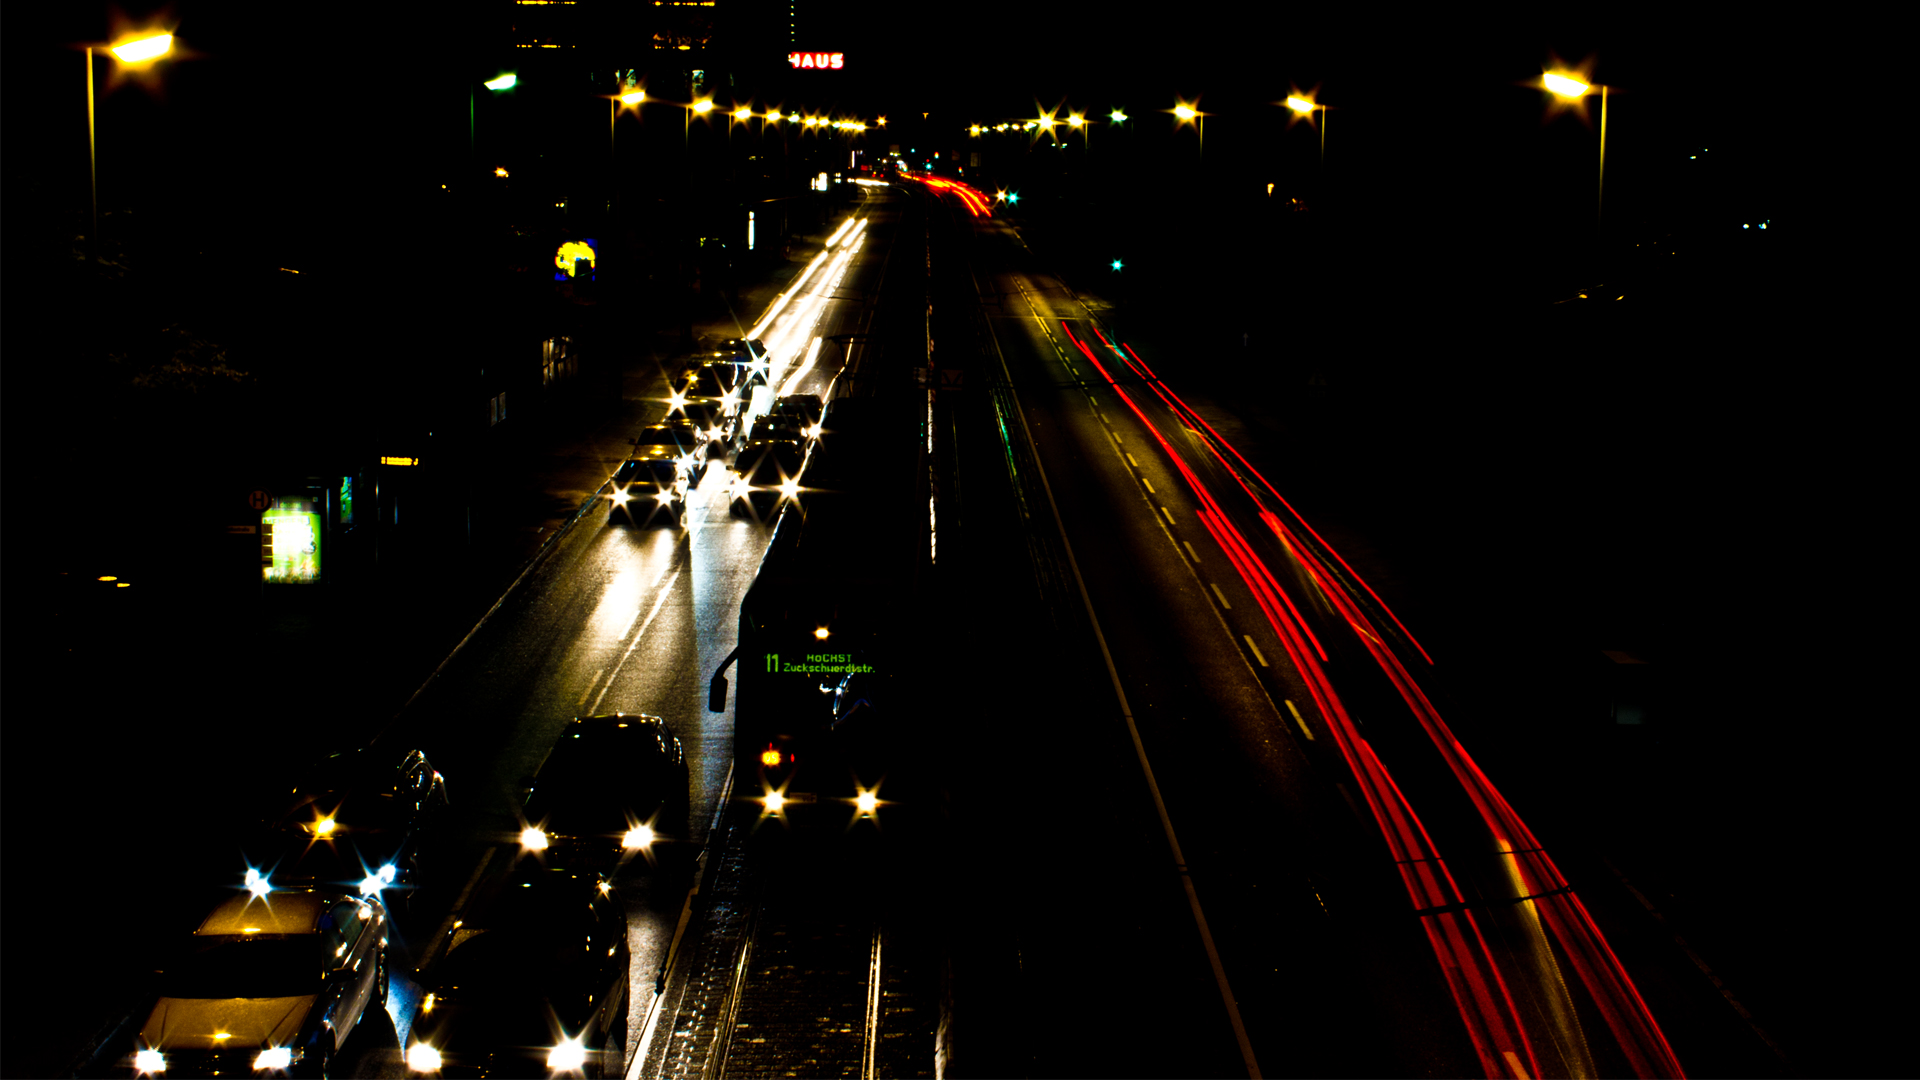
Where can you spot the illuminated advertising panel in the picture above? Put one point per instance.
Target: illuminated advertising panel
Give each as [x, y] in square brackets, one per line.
[290, 543]
[819, 61]
[575, 259]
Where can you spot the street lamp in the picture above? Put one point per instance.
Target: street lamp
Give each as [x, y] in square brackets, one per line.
[1570, 88]
[134, 51]
[1305, 107]
[1187, 114]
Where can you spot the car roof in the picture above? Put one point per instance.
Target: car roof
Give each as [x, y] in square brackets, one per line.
[275, 913]
[367, 768]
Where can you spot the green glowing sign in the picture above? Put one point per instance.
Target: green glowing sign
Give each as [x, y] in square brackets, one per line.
[816, 664]
[290, 543]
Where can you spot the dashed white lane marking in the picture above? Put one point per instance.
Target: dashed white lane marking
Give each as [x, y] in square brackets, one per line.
[1222, 596]
[1149, 486]
[1301, 720]
[1169, 514]
[1190, 551]
[1256, 651]
[1132, 462]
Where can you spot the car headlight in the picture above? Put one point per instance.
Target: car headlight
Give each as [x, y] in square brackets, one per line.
[150, 1061]
[533, 839]
[569, 1056]
[423, 1058]
[620, 496]
[638, 837]
[378, 880]
[274, 1057]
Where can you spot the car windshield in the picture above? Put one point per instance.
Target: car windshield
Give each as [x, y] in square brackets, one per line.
[265, 966]
[350, 811]
[707, 382]
[656, 472]
[664, 436]
[775, 466]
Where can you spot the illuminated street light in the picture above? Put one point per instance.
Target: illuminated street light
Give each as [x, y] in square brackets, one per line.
[1185, 112]
[504, 82]
[1117, 116]
[1299, 104]
[134, 51]
[1571, 89]
[703, 106]
[1304, 107]
[1075, 120]
[633, 97]
[743, 113]
[143, 49]
[1565, 85]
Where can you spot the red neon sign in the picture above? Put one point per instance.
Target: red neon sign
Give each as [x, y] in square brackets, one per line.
[822, 60]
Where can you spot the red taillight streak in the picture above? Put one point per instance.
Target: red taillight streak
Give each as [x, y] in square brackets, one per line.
[1188, 410]
[1599, 969]
[1466, 965]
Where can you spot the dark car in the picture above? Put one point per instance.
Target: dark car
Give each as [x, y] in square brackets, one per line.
[805, 408]
[649, 487]
[709, 397]
[613, 789]
[534, 981]
[271, 981]
[764, 475]
[683, 438]
[357, 820]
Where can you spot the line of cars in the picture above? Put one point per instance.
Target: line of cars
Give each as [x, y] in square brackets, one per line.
[533, 976]
[721, 407]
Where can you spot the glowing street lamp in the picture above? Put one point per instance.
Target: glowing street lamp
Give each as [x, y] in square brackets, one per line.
[130, 52]
[1570, 88]
[1187, 114]
[1305, 107]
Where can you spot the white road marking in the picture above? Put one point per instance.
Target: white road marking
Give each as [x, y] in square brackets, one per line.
[1222, 596]
[1256, 651]
[1132, 462]
[1169, 514]
[1149, 486]
[1190, 551]
[1298, 719]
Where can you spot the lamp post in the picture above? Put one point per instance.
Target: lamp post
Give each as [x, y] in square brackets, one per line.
[135, 51]
[1305, 107]
[1569, 88]
[1187, 114]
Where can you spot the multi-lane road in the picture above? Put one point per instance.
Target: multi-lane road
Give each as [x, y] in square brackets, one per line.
[1202, 812]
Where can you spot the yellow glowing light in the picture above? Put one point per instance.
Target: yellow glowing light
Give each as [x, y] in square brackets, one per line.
[704, 105]
[147, 48]
[882, 121]
[1185, 112]
[533, 839]
[638, 837]
[1075, 120]
[569, 1056]
[504, 82]
[867, 802]
[325, 827]
[769, 757]
[500, 170]
[821, 633]
[219, 1036]
[1564, 85]
[1299, 104]
[774, 801]
[426, 1005]
[634, 97]
[423, 1058]
[743, 113]
[150, 1061]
